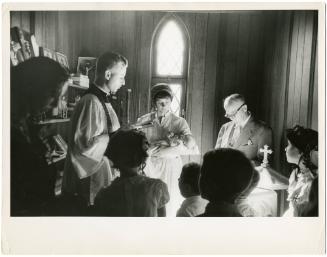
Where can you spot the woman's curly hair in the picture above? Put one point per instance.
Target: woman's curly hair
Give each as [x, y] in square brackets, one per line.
[306, 141]
[128, 148]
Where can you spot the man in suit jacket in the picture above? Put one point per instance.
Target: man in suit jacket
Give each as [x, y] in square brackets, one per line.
[243, 132]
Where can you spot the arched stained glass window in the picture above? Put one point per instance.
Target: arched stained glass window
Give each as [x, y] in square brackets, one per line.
[170, 50]
[170, 59]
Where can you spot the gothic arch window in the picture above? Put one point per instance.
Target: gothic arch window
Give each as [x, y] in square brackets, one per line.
[170, 52]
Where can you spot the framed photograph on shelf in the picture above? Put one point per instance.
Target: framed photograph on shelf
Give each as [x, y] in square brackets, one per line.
[62, 59]
[46, 52]
[86, 66]
[35, 46]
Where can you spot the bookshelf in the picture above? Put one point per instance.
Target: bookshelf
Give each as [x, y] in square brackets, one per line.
[52, 121]
[78, 87]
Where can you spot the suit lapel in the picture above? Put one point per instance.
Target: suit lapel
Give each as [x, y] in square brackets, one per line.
[246, 133]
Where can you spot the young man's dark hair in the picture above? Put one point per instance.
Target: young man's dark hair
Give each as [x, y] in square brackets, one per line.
[107, 61]
[226, 174]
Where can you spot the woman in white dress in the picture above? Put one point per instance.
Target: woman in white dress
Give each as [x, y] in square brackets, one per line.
[303, 190]
[170, 137]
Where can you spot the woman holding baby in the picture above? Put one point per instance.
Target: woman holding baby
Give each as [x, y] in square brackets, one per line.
[170, 137]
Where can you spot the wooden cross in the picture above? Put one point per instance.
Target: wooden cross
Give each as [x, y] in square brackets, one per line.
[265, 152]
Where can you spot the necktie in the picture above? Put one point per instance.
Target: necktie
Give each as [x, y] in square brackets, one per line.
[234, 134]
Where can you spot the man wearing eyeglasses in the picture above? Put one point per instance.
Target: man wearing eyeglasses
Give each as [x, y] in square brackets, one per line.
[243, 132]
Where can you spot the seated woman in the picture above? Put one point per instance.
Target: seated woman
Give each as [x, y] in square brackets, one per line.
[170, 137]
[132, 194]
[226, 175]
[301, 152]
[36, 86]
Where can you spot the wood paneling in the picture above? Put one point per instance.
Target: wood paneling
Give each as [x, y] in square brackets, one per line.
[301, 54]
[275, 81]
[144, 67]
[314, 97]
[198, 74]
[288, 75]
[208, 133]
[239, 62]
[21, 19]
[269, 56]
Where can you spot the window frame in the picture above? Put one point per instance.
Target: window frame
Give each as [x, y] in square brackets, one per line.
[172, 79]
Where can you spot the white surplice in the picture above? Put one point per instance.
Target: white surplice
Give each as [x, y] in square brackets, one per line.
[89, 137]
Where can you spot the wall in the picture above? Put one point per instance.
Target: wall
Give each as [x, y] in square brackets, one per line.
[290, 88]
[265, 55]
[239, 61]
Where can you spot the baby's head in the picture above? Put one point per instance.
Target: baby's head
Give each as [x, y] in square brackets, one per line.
[189, 180]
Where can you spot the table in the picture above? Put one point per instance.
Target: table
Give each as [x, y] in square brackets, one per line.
[272, 180]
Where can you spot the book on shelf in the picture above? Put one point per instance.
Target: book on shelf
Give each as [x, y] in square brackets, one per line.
[46, 52]
[58, 148]
[81, 80]
[61, 143]
[25, 41]
[35, 46]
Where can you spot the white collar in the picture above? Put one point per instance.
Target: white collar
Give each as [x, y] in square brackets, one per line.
[193, 198]
[163, 116]
[107, 94]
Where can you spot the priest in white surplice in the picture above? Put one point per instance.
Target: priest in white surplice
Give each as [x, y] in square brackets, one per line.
[87, 170]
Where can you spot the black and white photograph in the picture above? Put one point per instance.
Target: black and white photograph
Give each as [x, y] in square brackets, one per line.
[62, 59]
[46, 52]
[188, 115]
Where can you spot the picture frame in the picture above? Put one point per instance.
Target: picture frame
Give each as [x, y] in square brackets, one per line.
[35, 46]
[46, 52]
[86, 66]
[62, 59]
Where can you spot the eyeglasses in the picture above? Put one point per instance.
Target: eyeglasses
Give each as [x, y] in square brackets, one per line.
[229, 116]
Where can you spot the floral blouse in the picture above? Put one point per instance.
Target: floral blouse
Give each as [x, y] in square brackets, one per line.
[300, 183]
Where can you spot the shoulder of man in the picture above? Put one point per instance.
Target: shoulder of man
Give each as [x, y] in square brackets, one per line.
[226, 125]
[260, 124]
[89, 99]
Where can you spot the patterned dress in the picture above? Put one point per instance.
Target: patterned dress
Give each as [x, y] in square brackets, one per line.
[300, 183]
[136, 196]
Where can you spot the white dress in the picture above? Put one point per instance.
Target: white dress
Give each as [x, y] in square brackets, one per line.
[169, 168]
